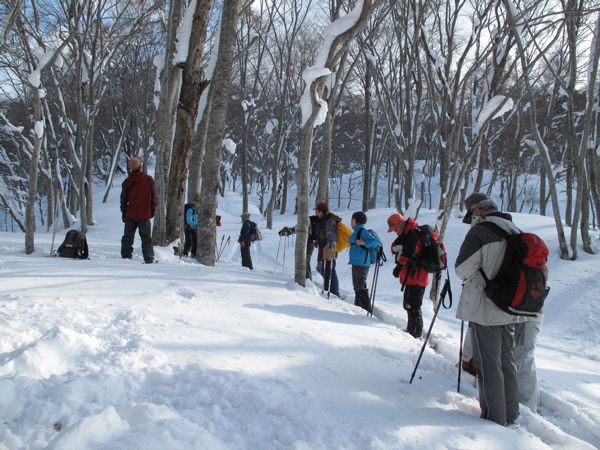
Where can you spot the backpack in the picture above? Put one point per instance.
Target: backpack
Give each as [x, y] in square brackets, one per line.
[186, 208]
[255, 234]
[432, 258]
[343, 234]
[376, 254]
[74, 246]
[519, 288]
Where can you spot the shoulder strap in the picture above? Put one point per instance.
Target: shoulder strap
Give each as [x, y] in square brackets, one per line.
[496, 229]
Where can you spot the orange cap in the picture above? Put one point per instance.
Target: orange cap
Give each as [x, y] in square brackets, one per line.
[393, 220]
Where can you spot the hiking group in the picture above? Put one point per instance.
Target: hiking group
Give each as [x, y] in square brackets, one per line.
[504, 278]
[503, 271]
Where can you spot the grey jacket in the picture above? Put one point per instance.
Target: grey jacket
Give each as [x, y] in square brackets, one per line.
[482, 248]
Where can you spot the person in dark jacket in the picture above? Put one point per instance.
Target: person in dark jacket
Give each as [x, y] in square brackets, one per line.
[245, 240]
[492, 328]
[311, 240]
[406, 247]
[326, 258]
[138, 203]
[361, 241]
[191, 226]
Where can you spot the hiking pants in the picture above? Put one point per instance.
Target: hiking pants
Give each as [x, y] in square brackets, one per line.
[413, 299]
[526, 334]
[191, 240]
[359, 283]
[495, 361]
[327, 269]
[144, 228]
[246, 257]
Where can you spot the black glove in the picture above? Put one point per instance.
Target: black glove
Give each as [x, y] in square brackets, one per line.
[396, 271]
[123, 218]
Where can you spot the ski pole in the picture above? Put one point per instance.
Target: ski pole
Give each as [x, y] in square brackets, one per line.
[277, 256]
[445, 290]
[54, 223]
[462, 328]
[220, 248]
[373, 288]
[286, 242]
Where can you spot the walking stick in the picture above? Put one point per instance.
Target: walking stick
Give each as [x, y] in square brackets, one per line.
[55, 220]
[220, 248]
[462, 328]
[373, 288]
[445, 290]
[277, 256]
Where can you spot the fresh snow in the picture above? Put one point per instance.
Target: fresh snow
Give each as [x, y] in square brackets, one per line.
[229, 145]
[115, 354]
[500, 103]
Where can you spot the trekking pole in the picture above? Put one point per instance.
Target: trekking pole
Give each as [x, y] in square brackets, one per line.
[462, 328]
[287, 240]
[328, 275]
[55, 220]
[445, 290]
[224, 246]
[220, 248]
[277, 256]
[374, 288]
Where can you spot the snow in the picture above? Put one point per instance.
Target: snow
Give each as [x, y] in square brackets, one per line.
[39, 129]
[229, 145]
[318, 70]
[488, 112]
[113, 353]
[270, 126]
[183, 34]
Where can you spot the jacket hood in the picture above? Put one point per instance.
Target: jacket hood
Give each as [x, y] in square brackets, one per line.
[411, 224]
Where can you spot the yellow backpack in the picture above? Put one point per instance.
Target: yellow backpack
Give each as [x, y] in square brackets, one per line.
[343, 234]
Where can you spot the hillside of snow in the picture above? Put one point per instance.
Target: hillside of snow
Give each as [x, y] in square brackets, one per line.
[115, 354]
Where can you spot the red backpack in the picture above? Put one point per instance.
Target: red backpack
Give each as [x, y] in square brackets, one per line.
[520, 287]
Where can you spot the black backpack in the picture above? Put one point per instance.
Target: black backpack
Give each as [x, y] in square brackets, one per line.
[432, 257]
[519, 288]
[74, 246]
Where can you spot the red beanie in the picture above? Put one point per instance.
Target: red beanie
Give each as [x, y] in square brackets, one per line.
[323, 207]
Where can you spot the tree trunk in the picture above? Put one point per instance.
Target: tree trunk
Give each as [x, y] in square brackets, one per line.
[198, 150]
[220, 88]
[325, 160]
[169, 84]
[367, 156]
[185, 123]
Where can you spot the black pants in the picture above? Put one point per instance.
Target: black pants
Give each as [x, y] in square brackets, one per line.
[191, 238]
[413, 299]
[359, 282]
[327, 269]
[246, 257]
[144, 228]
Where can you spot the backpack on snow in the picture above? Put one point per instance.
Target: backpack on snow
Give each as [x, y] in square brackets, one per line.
[375, 255]
[343, 232]
[520, 286]
[255, 234]
[74, 246]
[432, 257]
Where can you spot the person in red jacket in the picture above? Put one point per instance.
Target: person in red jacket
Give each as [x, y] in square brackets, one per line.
[406, 247]
[138, 203]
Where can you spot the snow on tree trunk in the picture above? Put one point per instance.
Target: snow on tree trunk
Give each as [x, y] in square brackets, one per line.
[220, 88]
[338, 36]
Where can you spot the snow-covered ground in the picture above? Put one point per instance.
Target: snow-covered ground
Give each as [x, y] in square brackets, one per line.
[115, 354]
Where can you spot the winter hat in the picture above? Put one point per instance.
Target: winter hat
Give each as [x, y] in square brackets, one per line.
[360, 217]
[134, 163]
[245, 216]
[323, 207]
[474, 200]
[393, 220]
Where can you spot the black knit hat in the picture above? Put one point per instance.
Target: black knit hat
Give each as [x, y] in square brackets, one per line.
[360, 217]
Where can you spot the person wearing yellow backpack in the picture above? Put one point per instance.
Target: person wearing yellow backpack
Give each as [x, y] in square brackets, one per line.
[326, 258]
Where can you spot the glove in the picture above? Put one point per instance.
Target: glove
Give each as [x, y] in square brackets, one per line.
[396, 271]
[123, 218]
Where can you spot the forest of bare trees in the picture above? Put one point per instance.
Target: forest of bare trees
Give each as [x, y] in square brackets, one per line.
[433, 96]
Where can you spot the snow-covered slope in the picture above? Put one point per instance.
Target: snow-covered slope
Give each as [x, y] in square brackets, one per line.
[111, 353]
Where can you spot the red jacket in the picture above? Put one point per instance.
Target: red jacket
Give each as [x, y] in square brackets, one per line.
[412, 245]
[138, 196]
